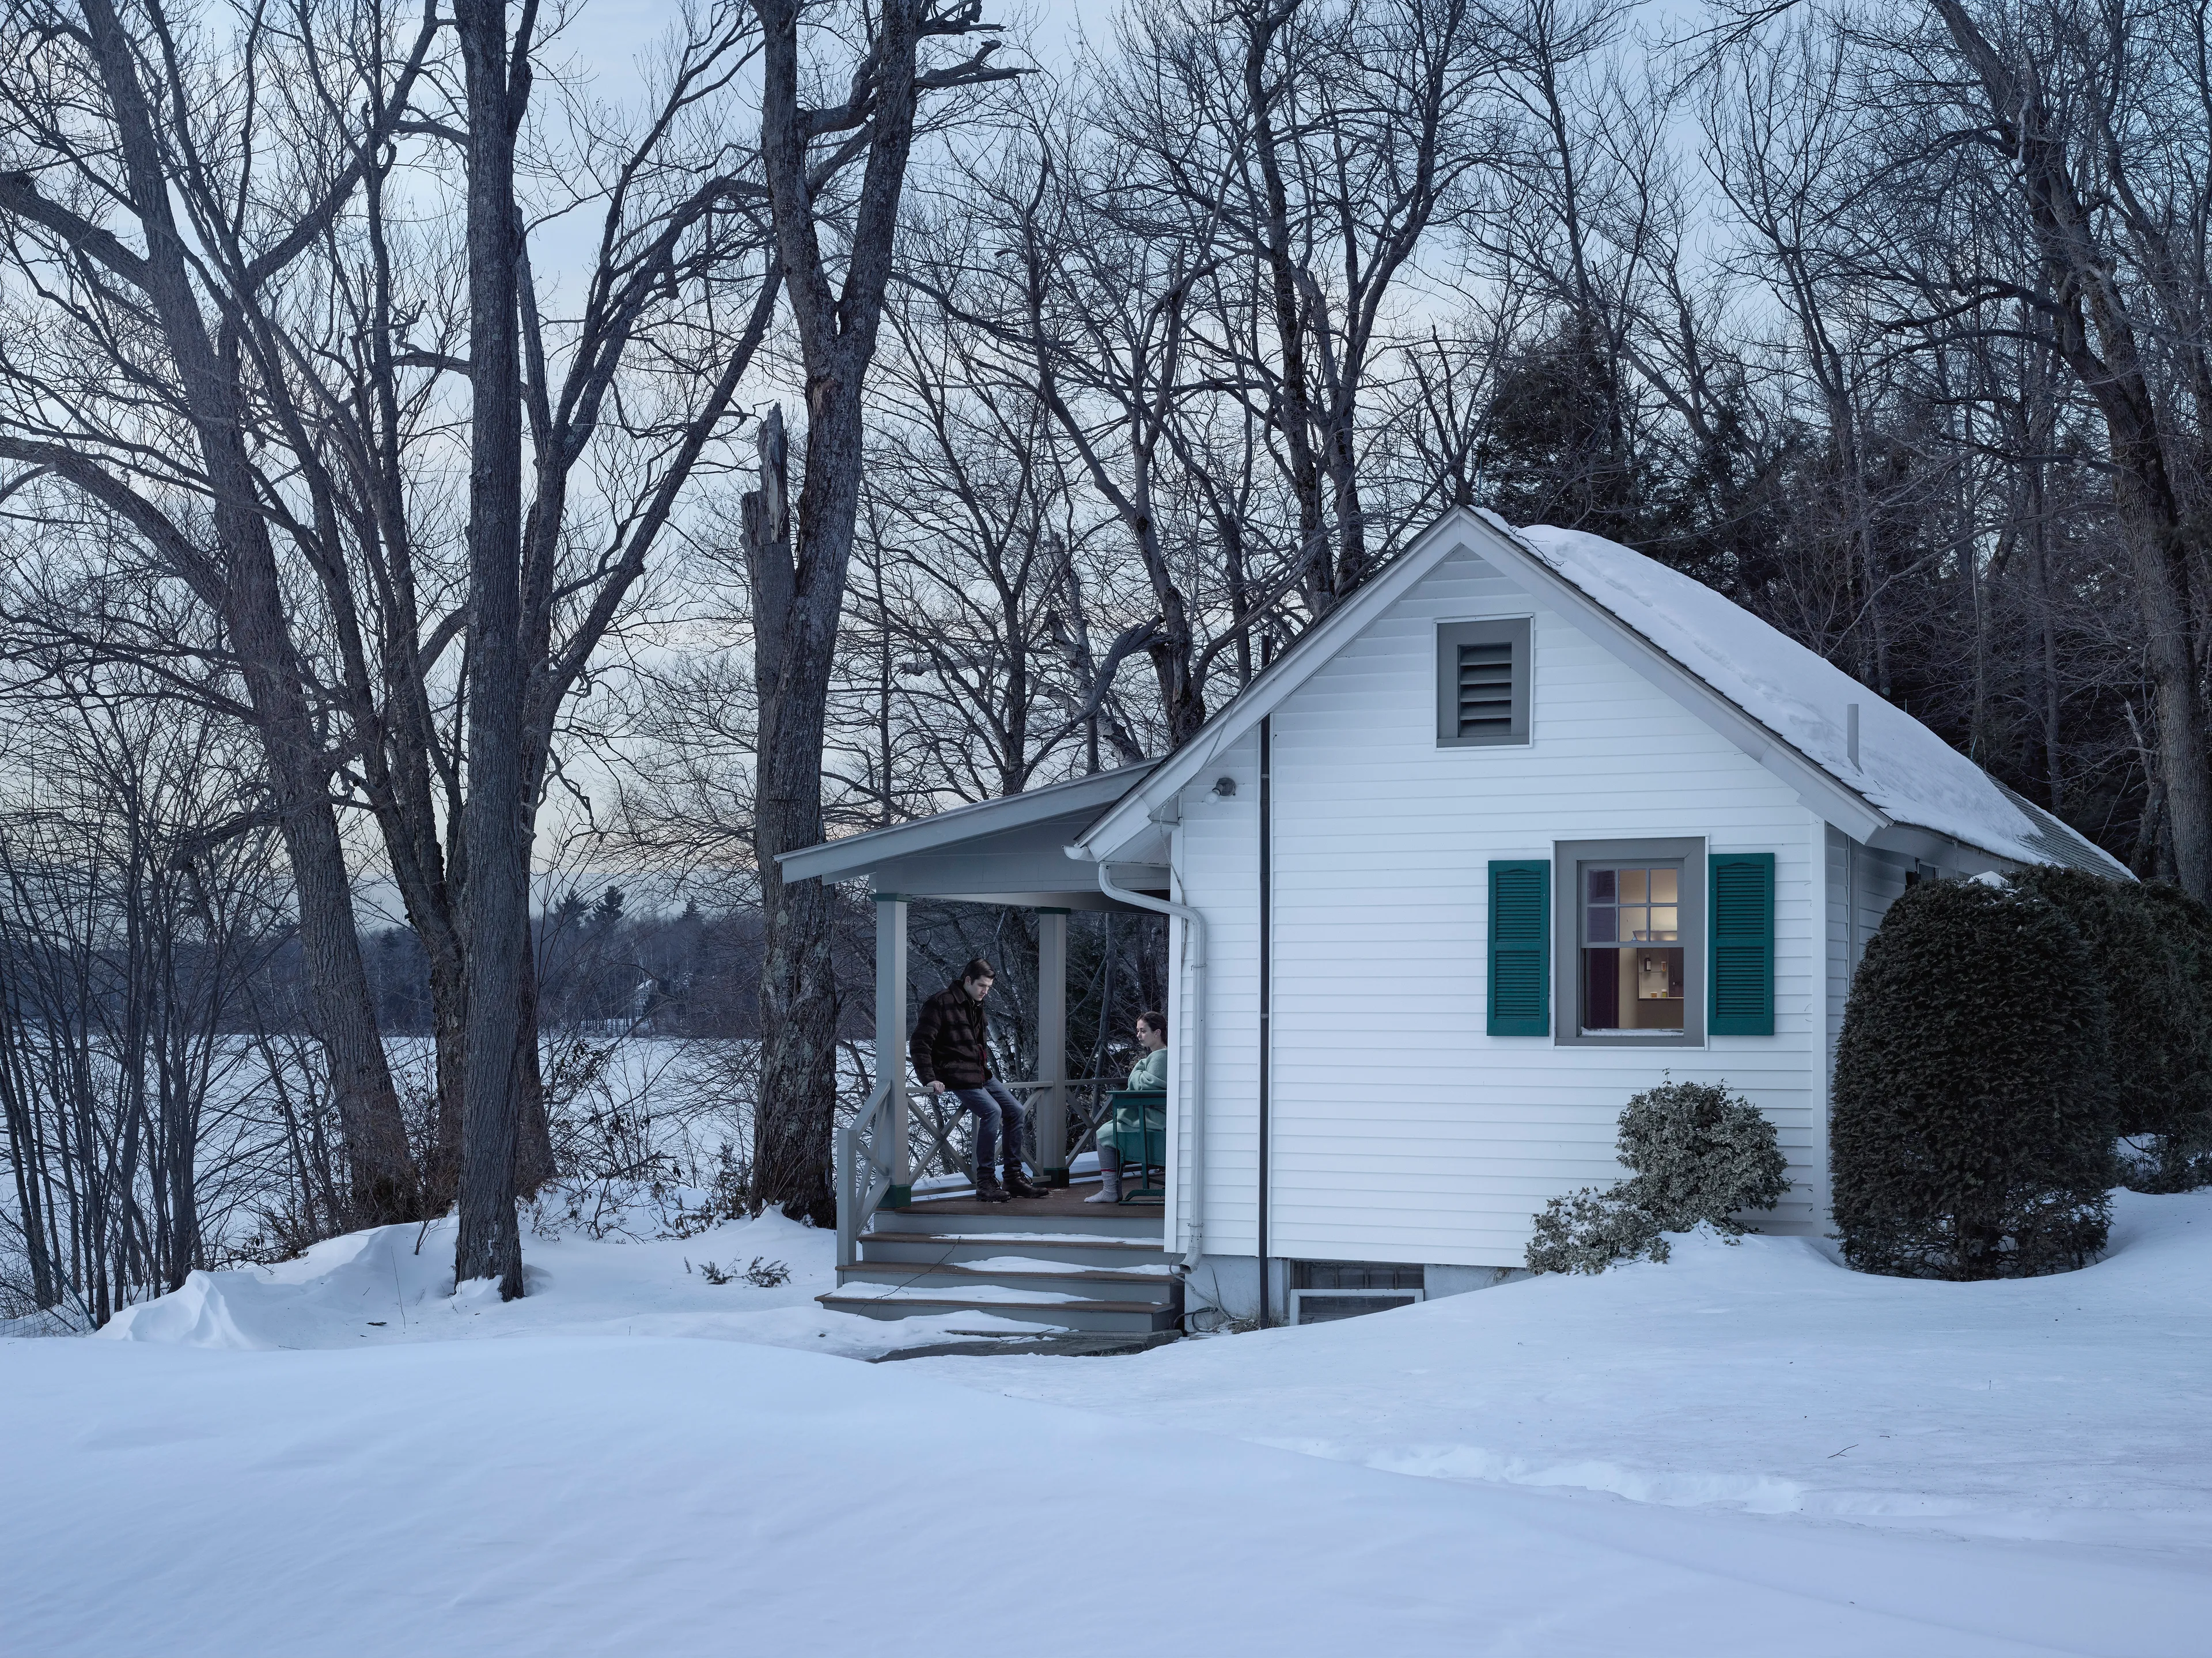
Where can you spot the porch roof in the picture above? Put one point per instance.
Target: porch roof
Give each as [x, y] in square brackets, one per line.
[1009, 850]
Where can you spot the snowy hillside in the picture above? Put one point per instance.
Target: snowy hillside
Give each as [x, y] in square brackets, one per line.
[1746, 1450]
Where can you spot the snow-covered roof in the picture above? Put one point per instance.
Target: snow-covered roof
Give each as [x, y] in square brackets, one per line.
[858, 855]
[1904, 768]
[1785, 704]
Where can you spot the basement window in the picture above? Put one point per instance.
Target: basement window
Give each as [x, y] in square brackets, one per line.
[1482, 683]
[1322, 1291]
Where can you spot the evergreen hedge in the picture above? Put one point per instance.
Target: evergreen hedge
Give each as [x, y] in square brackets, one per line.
[1972, 1136]
[2175, 1153]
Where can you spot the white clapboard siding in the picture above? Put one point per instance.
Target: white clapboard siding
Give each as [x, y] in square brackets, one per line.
[1216, 861]
[1399, 1130]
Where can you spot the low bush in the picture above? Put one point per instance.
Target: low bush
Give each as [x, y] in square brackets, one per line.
[1697, 1155]
[762, 1274]
[1971, 1133]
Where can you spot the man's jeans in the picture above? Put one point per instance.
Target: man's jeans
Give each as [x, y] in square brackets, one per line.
[999, 1116]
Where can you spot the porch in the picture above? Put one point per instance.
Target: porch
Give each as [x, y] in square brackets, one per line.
[911, 1238]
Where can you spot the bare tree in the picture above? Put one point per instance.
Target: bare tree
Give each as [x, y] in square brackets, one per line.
[798, 561]
[132, 929]
[326, 399]
[101, 116]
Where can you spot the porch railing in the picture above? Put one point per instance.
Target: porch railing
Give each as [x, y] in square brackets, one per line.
[863, 1167]
[938, 1145]
[866, 1163]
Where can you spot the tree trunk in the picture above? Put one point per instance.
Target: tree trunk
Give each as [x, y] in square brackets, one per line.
[383, 1188]
[796, 1099]
[497, 819]
[798, 580]
[251, 603]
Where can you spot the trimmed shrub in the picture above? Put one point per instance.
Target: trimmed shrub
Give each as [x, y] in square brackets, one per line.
[2146, 950]
[2173, 1152]
[1698, 1155]
[1972, 1130]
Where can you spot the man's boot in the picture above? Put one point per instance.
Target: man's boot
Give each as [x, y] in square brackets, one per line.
[1110, 1177]
[1019, 1185]
[987, 1189]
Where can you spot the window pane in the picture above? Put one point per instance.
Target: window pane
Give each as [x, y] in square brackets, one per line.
[1632, 958]
[1602, 989]
[1658, 1002]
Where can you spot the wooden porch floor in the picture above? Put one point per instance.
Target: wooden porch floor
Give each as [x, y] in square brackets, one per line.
[1064, 1204]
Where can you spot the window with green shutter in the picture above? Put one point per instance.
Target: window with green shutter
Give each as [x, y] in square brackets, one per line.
[1521, 947]
[1743, 908]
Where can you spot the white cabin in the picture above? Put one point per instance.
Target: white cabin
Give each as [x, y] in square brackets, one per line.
[1526, 825]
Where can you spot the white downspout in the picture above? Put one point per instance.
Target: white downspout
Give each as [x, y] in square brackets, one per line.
[1195, 965]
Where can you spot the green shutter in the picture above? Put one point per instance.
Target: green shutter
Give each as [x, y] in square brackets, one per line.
[1521, 947]
[1741, 898]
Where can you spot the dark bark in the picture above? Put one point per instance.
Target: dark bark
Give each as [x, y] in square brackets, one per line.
[799, 562]
[246, 591]
[497, 818]
[796, 1096]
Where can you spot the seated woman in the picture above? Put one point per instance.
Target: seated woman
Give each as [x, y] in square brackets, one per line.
[1148, 1076]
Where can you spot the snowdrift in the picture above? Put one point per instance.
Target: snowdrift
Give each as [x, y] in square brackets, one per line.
[1746, 1449]
[394, 1284]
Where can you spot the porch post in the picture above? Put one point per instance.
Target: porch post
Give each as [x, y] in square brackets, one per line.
[890, 1039]
[1052, 1046]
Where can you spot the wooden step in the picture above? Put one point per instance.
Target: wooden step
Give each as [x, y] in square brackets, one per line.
[949, 1280]
[1095, 1221]
[954, 1247]
[1104, 1316]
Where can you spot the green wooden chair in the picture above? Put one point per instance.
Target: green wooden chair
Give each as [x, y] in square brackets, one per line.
[1136, 1126]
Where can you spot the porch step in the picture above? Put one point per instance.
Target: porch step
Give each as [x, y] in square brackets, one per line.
[1097, 1284]
[1105, 1317]
[1059, 1263]
[1098, 1221]
[956, 1248]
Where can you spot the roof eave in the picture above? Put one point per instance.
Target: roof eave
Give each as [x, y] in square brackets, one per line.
[854, 855]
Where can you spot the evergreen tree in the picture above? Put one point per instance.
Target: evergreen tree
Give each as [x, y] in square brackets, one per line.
[2151, 948]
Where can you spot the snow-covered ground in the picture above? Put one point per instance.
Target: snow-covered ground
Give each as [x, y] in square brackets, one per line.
[395, 1285]
[1748, 1450]
[1757, 1376]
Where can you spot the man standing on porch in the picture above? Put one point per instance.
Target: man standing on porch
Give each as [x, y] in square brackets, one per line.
[950, 1054]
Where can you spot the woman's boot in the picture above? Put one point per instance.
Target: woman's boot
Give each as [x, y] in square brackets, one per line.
[1110, 1177]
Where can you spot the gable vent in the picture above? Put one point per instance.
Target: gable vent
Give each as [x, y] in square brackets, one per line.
[1482, 682]
[1486, 689]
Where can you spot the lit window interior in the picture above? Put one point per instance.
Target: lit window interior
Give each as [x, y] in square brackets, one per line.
[1631, 948]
